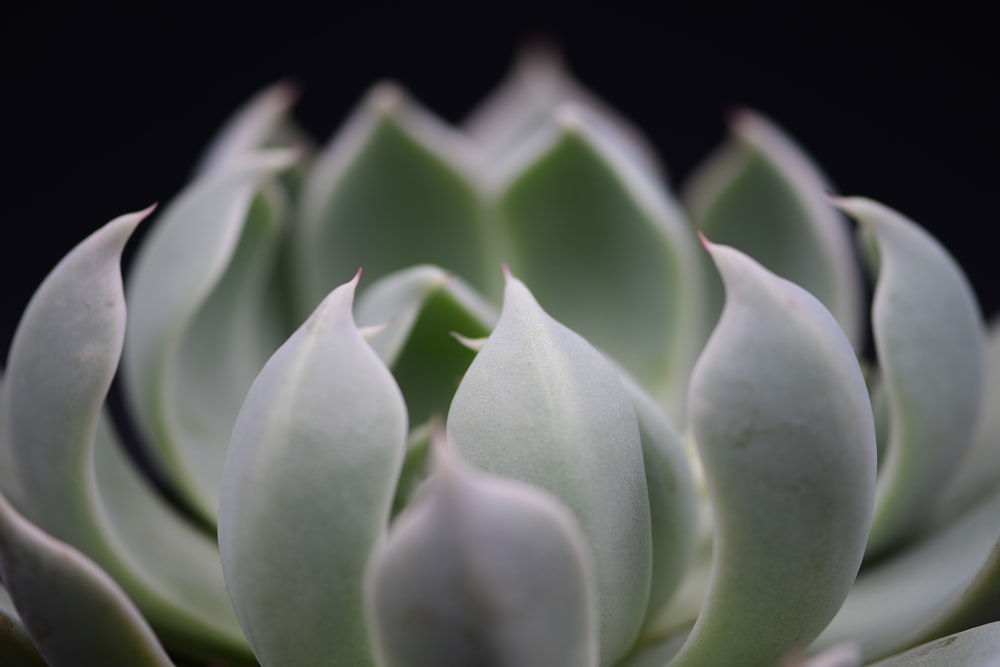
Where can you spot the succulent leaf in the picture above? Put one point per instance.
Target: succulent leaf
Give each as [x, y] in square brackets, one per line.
[931, 346]
[391, 190]
[978, 474]
[261, 123]
[16, 647]
[195, 280]
[421, 307]
[77, 483]
[780, 412]
[540, 405]
[76, 615]
[762, 194]
[926, 590]
[482, 570]
[977, 647]
[673, 498]
[308, 488]
[524, 104]
[575, 212]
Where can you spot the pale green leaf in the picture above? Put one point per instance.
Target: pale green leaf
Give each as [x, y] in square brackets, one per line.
[307, 491]
[978, 647]
[78, 483]
[482, 570]
[260, 123]
[16, 647]
[539, 404]
[423, 306]
[931, 346]
[199, 277]
[762, 194]
[673, 498]
[781, 416]
[978, 473]
[524, 104]
[76, 615]
[606, 251]
[390, 191]
[937, 585]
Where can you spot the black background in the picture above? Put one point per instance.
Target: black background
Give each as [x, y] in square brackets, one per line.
[104, 113]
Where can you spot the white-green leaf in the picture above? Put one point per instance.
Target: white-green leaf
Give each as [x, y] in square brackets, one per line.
[673, 498]
[421, 307]
[606, 251]
[762, 194]
[76, 615]
[260, 123]
[390, 191]
[978, 473]
[16, 647]
[307, 491]
[781, 416]
[936, 585]
[978, 647]
[523, 106]
[197, 332]
[481, 570]
[931, 346]
[77, 480]
[540, 405]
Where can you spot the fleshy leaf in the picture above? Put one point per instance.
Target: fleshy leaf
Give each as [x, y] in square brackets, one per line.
[978, 473]
[523, 107]
[607, 252]
[978, 647]
[673, 498]
[539, 404]
[16, 646]
[761, 194]
[481, 570]
[10, 485]
[389, 192]
[938, 585]
[76, 614]
[261, 123]
[931, 346]
[78, 483]
[422, 306]
[197, 278]
[308, 488]
[781, 416]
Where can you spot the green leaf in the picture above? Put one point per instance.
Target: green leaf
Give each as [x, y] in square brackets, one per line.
[77, 480]
[423, 306]
[762, 194]
[780, 412]
[931, 346]
[607, 252]
[261, 123]
[481, 570]
[389, 192]
[16, 646]
[197, 280]
[978, 473]
[940, 584]
[307, 490]
[978, 647]
[524, 104]
[673, 498]
[540, 405]
[74, 612]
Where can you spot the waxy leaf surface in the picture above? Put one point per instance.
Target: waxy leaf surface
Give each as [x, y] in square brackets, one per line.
[540, 405]
[781, 416]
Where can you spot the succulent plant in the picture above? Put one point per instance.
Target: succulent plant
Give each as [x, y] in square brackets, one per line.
[624, 448]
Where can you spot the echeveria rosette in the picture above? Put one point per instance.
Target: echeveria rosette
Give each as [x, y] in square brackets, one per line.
[564, 394]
